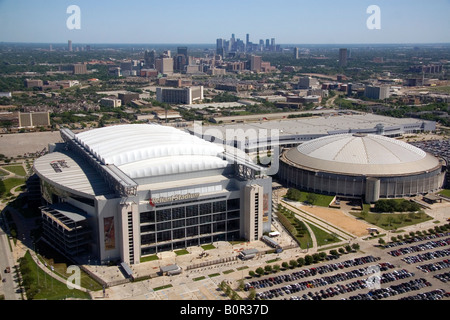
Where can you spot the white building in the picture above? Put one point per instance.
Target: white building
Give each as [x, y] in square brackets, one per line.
[126, 192]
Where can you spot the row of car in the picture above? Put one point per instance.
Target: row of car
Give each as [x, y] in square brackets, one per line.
[420, 247]
[444, 277]
[381, 293]
[373, 294]
[427, 256]
[395, 275]
[437, 294]
[416, 239]
[435, 266]
[269, 282]
[372, 280]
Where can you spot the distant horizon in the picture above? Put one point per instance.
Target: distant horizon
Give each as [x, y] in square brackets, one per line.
[323, 22]
[214, 45]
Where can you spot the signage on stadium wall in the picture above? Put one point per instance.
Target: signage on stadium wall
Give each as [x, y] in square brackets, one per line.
[175, 197]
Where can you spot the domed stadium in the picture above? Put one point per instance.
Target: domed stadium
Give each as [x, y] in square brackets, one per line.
[130, 191]
[361, 165]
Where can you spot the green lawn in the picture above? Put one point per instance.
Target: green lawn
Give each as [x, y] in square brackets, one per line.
[443, 89]
[296, 227]
[18, 169]
[181, 252]
[390, 221]
[445, 192]
[42, 286]
[7, 184]
[323, 237]
[149, 258]
[208, 247]
[319, 199]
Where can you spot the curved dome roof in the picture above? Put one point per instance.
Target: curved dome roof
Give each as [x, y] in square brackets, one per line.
[362, 154]
[142, 150]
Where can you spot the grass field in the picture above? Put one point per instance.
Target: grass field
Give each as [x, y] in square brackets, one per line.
[323, 237]
[17, 169]
[7, 184]
[296, 227]
[443, 89]
[390, 221]
[319, 199]
[445, 192]
[44, 287]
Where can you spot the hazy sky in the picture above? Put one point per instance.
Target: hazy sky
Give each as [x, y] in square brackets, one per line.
[203, 21]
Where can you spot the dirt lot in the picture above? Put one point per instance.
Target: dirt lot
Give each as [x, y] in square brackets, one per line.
[339, 219]
[12, 145]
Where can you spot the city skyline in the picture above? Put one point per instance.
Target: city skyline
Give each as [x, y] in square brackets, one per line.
[201, 22]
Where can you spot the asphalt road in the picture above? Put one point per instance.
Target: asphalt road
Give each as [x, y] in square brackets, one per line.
[9, 287]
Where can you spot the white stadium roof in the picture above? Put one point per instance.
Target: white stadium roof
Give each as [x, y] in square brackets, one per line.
[361, 154]
[142, 150]
[361, 149]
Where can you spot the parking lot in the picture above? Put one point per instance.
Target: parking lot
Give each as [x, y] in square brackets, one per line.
[413, 270]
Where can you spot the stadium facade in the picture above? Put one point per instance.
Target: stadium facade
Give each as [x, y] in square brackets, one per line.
[361, 165]
[129, 191]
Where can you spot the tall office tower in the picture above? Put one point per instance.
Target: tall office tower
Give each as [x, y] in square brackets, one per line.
[147, 58]
[220, 44]
[70, 45]
[296, 53]
[220, 47]
[164, 65]
[261, 45]
[272, 44]
[247, 42]
[150, 58]
[267, 44]
[254, 212]
[342, 57]
[255, 63]
[183, 51]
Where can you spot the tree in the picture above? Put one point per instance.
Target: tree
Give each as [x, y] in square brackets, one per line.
[241, 284]
[293, 194]
[252, 294]
[308, 259]
[268, 268]
[311, 198]
[293, 263]
[301, 261]
[285, 265]
[316, 257]
[334, 252]
[259, 271]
